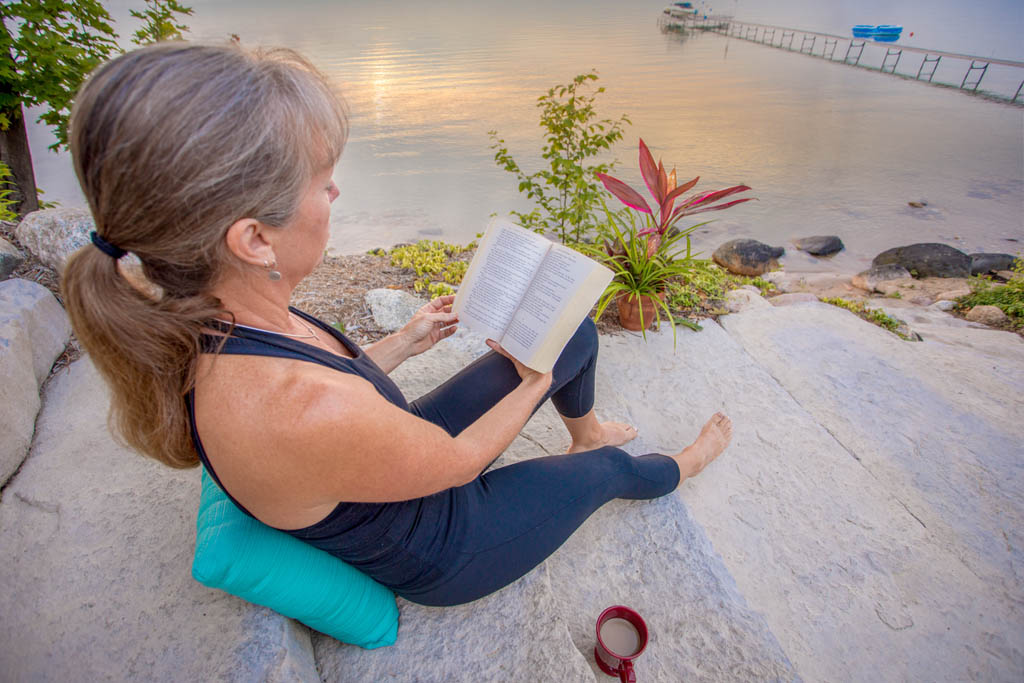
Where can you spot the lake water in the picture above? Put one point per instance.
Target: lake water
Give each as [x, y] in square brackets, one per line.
[827, 149]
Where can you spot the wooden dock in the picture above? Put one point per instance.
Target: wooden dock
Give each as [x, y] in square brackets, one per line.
[850, 50]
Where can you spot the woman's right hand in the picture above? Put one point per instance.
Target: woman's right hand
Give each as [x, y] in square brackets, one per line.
[528, 375]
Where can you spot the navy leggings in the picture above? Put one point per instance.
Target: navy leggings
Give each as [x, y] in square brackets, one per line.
[517, 515]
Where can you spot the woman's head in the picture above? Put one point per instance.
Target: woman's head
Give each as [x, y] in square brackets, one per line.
[173, 144]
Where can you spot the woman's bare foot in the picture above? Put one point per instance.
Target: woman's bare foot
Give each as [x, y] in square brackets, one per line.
[714, 437]
[607, 434]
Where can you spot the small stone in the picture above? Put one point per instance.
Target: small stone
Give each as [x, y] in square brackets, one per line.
[793, 298]
[10, 258]
[747, 257]
[819, 245]
[52, 235]
[927, 259]
[392, 308]
[869, 279]
[987, 315]
[917, 205]
[738, 300]
[982, 264]
[944, 305]
[953, 294]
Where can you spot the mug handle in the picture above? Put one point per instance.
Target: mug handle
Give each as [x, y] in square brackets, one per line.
[626, 673]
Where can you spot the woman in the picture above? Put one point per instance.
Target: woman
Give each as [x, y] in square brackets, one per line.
[213, 166]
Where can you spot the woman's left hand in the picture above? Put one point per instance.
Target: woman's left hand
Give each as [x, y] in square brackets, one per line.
[432, 323]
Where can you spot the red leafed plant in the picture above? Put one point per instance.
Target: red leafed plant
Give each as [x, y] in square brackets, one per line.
[667, 195]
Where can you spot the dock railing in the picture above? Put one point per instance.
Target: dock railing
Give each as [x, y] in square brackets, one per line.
[851, 51]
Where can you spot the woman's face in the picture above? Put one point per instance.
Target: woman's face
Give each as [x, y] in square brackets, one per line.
[302, 243]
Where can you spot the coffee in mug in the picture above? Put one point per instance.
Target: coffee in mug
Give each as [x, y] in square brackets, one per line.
[621, 638]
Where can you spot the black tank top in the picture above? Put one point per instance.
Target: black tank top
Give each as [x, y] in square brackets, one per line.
[405, 545]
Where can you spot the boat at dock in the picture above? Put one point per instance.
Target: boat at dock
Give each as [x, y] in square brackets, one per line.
[882, 33]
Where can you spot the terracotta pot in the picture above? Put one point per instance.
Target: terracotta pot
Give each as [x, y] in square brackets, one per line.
[629, 310]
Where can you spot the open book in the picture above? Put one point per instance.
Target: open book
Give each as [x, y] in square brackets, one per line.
[527, 293]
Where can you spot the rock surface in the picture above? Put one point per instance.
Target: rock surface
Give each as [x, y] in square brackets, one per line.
[984, 263]
[52, 235]
[392, 308]
[98, 546]
[10, 258]
[33, 332]
[872, 277]
[952, 294]
[926, 506]
[987, 315]
[820, 245]
[737, 300]
[747, 257]
[927, 259]
[793, 298]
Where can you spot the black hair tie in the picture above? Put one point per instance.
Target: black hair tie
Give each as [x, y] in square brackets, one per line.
[106, 247]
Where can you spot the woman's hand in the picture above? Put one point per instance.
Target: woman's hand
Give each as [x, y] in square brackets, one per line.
[528, 375]
[432, 323]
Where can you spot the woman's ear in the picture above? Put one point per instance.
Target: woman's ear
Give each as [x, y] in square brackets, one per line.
[247, 240]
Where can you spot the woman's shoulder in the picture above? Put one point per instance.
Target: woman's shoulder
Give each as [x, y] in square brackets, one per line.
[244, 384]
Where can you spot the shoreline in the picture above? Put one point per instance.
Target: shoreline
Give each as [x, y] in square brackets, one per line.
[335, 292]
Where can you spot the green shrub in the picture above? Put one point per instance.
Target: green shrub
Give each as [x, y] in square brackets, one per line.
[6, 190]
[702, 289]
[566, 193]
[434, 263]
[1009, 297]
[872, 315]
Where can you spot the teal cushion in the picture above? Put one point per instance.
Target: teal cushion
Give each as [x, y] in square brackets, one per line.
[244, 557]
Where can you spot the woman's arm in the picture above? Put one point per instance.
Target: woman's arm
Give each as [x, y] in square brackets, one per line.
[432, 323]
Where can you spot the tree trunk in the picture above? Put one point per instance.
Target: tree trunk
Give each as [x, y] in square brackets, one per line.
[14, 152]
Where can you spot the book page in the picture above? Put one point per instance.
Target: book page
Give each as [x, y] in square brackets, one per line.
[498, 277]
[563, 291]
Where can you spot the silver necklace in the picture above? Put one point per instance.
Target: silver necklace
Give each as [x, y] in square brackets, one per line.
[312, 333]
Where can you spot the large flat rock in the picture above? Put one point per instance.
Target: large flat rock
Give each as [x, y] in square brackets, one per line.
[98, 546]
[912, 507]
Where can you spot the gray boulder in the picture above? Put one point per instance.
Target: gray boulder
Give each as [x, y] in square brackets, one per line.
[52, 235]
[98, 545]
[871, 278]
[392, 308]
[747, 257]
[33, 331]
[983, 263]
[820, 245]
[10, 258]
[927, 259]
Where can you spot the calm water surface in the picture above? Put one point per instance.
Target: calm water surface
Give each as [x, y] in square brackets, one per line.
[828, 149]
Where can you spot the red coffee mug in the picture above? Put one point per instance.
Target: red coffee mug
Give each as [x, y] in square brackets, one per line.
[623, 629]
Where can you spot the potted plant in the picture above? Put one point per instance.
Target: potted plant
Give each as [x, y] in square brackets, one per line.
[646, 256]
[640, 278]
